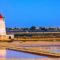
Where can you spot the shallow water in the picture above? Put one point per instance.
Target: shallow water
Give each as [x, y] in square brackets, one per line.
[14, 54]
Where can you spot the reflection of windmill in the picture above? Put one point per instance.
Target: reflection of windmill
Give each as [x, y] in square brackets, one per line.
[28, 46]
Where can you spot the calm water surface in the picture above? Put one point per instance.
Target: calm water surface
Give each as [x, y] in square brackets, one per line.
[14, 54]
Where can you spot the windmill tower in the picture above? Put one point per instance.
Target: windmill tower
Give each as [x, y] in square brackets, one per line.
[2, 33]
[2, 26]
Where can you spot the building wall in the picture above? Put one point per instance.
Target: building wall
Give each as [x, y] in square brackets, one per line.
[2, 28]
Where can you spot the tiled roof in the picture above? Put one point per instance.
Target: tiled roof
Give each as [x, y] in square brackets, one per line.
[1, 16]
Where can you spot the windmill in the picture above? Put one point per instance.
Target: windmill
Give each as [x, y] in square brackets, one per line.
[2, 26]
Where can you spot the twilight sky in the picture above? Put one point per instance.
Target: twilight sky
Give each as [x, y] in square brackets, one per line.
[26, 13]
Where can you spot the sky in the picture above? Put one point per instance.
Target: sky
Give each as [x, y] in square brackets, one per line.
[27, 13]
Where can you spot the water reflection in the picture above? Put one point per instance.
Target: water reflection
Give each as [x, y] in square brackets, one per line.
[14, 54]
